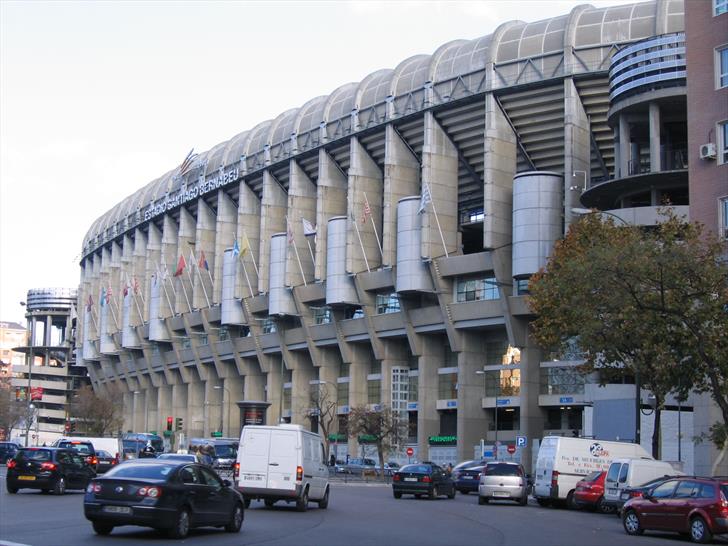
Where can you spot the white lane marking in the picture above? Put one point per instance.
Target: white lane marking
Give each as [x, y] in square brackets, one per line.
[8, 543]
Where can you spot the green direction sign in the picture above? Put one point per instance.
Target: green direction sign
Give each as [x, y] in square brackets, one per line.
[443, 440]
[216, 434]
[337, 438]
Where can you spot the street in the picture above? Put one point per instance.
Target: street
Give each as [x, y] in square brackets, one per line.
[358, 515]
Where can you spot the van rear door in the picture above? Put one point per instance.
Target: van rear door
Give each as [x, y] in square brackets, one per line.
[285, 454]
[254, 457]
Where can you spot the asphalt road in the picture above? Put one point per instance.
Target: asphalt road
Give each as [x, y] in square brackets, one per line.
[358, 515]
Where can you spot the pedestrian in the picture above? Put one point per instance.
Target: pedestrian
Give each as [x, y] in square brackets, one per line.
[332, 460]
[207, 454]
[147, 451]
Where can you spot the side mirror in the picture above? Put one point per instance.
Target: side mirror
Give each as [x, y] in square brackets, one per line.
[648, 496]
[226, 483]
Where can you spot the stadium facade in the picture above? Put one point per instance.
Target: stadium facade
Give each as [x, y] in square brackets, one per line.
[435, 189]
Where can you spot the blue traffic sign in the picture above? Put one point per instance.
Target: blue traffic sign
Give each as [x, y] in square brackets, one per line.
[521, 441]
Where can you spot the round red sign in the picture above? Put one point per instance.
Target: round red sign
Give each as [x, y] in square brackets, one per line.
[410, 452]
[511, 449]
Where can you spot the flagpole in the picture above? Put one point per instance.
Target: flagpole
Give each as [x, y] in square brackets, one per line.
[437, 220]
[313, 260]
[164, 286]
[111, 304]
[250, 287]
[356, 227]
[252, 256]
[376, 235]
[192, 282]
[295, 250]
[133, 296]
[202, 281]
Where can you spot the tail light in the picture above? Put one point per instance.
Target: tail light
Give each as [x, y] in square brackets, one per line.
[396, 477]
[554, 478]
[426, 479]
[299, 473]
[479, 475]
[48, 466]
[92, 460]
[93, 487]
[151, 492]
[12, 463]
[635, 494]
[115, 460]
[236, 470]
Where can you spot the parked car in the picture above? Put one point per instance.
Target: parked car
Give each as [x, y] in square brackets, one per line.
[468, 479]
[8, 451]
[182, 457]
[360, 466]
[163, 494]
[632, 492]
[106, 461]
[423, 479]
[463, 465]
[48, 469]
[624, 473]
[501, 480]
[225, 450]
[589, 493]
[389, 468]
[696, 507]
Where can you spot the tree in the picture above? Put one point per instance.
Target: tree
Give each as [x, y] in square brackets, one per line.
[12, 411]
[101, 415]
[383, 427]
[322, 406]
[652, 302]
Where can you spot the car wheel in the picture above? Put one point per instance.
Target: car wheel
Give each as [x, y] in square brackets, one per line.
[397, 494]
[699, 531]
[269, 503]
[603, 507]
[571, 501]
[523, 501]
[246, 502]
[632, 523]
[102, 528]
[302, 502]
[11, 490]
[451, 495]
[60, 487]
[181, 525]
[236, 521]
[482, 500]
[463, 491]
[543, 502]
[324, 503]
[434, 493]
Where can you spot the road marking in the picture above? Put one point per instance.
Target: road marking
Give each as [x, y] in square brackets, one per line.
[8, 543]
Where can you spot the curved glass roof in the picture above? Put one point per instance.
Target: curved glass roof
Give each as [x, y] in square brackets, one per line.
[584, 27]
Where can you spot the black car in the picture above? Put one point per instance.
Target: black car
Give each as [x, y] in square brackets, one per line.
[468, 479]
[164, 494]
[106, 461]
[48, 469]
[422, 479]
[8, 451]
[83, 448]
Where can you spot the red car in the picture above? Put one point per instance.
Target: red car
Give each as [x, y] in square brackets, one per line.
[589, 493]
[695, 507]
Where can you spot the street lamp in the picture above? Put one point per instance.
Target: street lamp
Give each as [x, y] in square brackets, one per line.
[222, 402]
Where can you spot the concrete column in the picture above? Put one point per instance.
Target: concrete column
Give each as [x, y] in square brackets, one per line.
[180, 408]
[137, 278]
[152, 268]
[214, 399]
[273, 210]
[225, 228]
[577, 149]
[301, 204]
[471, 423]
[196, 408]
[202, 293]
[233, 393]
[655, 141]
[624, 146]
[184, 282]
[249, 219]
[274, 387]
[500, 161]
[358, 370]
[302, 375]
[401, 179]
[365, 185]
[531, 424]
[428, 420]
[440, 173]
[331, 201]
[168, 263]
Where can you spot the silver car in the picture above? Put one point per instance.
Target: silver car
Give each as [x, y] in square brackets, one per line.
[503, 481]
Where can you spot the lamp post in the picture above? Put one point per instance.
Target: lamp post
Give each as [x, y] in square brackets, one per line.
[222, 402]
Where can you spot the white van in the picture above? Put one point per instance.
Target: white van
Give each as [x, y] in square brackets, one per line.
[562, 462]
[111, 445]
[284, 462]
[624, 473]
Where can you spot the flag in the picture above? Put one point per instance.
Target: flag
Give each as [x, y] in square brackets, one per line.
[425, 198]
[236, 249]
[89, 303]
[367, 213]
[203, 261]
[181, 264]
[102, 299]
[246, 246]
[308, 228]
[126, 290]
[108, 294]
[290, 234]
[186, 165]
[136, 285]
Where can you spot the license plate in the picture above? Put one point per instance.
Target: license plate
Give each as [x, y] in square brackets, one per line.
[117, 509]
[26, 478]
[253, 477]
[612, 491]
[625, 496]
[410, 479]
[501, 494]
[468, 477]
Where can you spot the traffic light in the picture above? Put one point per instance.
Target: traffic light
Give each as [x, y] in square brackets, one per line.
[178, 424]
[169, 423]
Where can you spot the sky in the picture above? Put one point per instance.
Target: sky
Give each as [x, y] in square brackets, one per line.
[97, 99]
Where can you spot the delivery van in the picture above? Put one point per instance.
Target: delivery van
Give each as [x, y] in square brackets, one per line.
[624, 473]
[282, 463]
[562, 462]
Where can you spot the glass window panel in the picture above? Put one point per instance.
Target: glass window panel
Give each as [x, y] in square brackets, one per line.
[447, 386]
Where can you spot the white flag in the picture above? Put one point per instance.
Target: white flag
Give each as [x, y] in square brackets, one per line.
[425, 198]
[308, 228]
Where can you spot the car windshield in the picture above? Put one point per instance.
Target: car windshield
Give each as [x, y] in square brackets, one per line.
[104, 454]
[34, 455]
[593, 476]
[416, 468]
[85, 448]
[502, 470]
[226, 451]
[150, 471]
